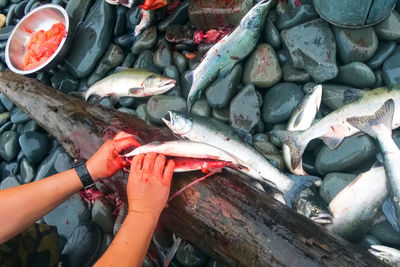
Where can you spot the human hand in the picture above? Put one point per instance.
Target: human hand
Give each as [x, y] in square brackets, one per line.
[153, 4]
[107, 160]
[149, 183]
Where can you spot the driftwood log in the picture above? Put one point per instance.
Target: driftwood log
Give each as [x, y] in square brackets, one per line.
[223, 215]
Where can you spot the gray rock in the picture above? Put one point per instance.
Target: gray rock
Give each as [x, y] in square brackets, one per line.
[142, 112]
[27, 171]
[352, 153]
[7, 103]
[179, 34]
[223, 89]
[4, 117]
[280, 101]
[368, 240]
[271, 34]
[385, 49]
[378, 78]
[162, 56]
[145, 61]
[221, 114]
[34, 145]
[159, 105]
[128, 60]
[101, 214]
[120, 21]
[6, 126]
[128, 111]
[262, 67]
[356, 74]
[269, 151]
[127, 102]
[133, 18]
[391, 70]
[389, 28]
[63, 161]
[172, 72]
[291, 74]
[296, 15]
[10, 168]
[19, 116]
[68, 215]
[107, 102]
[355, 44]
[9, 147]
[312, 47]
[76, 11]
[385, 233]
[179, 16]
[201, 108]
[245, 109]
[180, 61]
[283, 56]
[3, 3]
[333, 183]
[9, 182]
[46, 167]
[146, 40]
[335, 95]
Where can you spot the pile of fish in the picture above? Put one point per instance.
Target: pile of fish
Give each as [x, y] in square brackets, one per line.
[175, 86]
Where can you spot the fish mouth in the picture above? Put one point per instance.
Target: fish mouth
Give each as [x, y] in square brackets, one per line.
[167, 85]
[168, 122]
[323, 219]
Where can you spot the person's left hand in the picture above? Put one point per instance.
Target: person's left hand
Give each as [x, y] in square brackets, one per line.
[107, 160]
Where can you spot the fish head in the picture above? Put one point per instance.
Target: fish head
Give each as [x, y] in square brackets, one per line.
[180, 123]
[311, 205]
[254, 19]
[158, 84]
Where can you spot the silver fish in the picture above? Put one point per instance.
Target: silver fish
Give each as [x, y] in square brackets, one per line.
[131, 82]
[386, 254]
[222, 57]
[215, 133]
[379, 126]
[333, 128]
[312, 206]
[355, 208]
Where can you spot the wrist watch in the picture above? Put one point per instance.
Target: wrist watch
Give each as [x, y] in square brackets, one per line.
[83, 173]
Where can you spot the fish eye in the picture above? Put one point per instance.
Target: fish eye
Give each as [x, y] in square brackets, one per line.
[315, 210]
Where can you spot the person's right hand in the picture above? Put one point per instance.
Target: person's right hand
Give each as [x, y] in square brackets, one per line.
[149, 183]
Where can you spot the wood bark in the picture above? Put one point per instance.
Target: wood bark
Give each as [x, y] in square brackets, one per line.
[223, 215]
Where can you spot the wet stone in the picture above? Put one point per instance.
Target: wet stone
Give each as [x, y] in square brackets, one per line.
[106, 102]
[352, 153]
[6, 126]
[111, 59]
[159, 105]
[368, 240]
[291, 74]
[5, 32]
[4, 117]
[189, 255]
[3, 3]
[101, 214]
[378, 78]
[9, 168]
[128, 60]
[280, 101]
[94, 35]
[356, 74]
[68, 215]
[120, 21]
[77, 10]
[133, 17]
[311, 46]
[262, 67]
[391, 70]
[162, 56]
[63, 161]
[142, 112]
[245, 109]
[333, 183]
[29, 6]
[7, 103]
[179, 34]
[19, 116]
[385, 233]
[269, 151]
[11, 16]
[146, 40]
[9, 147]
[145, 61]
[283, 57]
[34, 145]
[201, 108]
[128, 102]
[9, 182]
[335, 95]
[179, 61]
[221, 91]
[68, 84]
[172, 72]
[128, 111]
[20, 8]
[271, 34]
[222, 114]
[389, 29]
[126, 40]
[27, 171]
[295, 16]
[179, 16]
[385, 49]
[355, 44]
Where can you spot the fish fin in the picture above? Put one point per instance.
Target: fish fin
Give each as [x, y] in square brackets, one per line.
[390, 214]
[351, 95]
[370, 124]
[332, 141]
[298, 118]
[300, 183]
[295, 145]
[135, 91]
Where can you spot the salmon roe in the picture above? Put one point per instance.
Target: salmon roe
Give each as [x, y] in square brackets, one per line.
[42, 45]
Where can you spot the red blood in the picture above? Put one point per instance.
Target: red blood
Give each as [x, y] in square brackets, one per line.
[213, 35]
[297, 2]
[174, 5]
[90, 195]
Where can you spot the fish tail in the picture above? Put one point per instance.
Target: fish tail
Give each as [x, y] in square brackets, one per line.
[390, 214]
[371, 124]
[300, 183]
[293, 149]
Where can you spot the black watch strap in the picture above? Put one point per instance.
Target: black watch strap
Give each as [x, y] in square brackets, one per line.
[83, 173]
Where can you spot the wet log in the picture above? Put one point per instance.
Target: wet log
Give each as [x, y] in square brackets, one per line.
[223, 215]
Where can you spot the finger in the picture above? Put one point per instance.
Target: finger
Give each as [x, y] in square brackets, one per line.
[125, 143]
[168, 172]
[121, 135]
[137, 163]
[148, 163]
[159, 165]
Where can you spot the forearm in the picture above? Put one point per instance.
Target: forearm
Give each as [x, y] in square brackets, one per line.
[23, 205]
[130, 245]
